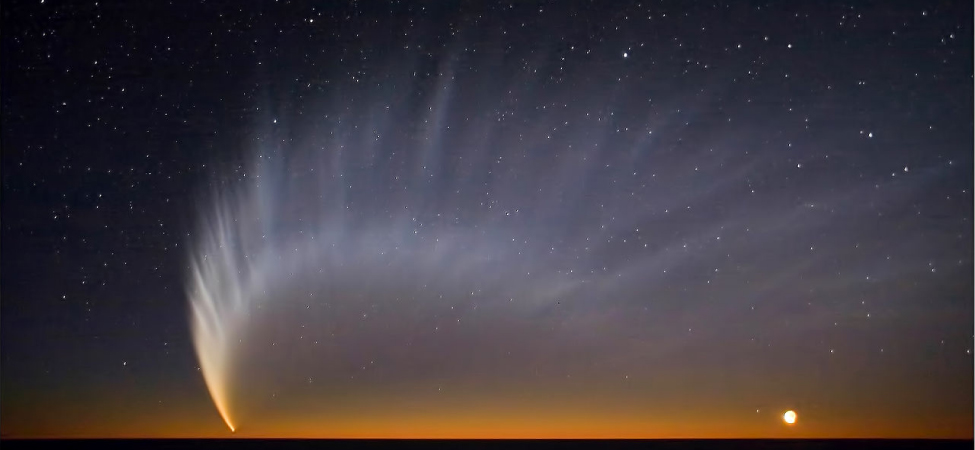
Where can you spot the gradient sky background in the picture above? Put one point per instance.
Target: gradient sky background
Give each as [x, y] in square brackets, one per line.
[483, 219]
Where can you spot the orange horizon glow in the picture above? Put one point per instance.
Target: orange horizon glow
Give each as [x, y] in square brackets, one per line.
[193, 420]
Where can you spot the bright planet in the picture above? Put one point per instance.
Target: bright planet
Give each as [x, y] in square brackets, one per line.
[789, 417]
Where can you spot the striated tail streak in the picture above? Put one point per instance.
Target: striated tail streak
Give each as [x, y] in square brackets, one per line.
[219, 300]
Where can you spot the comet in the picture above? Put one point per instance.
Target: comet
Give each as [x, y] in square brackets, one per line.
[362, 213]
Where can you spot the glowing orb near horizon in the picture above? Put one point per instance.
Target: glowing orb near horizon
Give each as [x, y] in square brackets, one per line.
[790, 417]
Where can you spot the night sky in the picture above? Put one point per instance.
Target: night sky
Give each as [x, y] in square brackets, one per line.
[486, 219]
